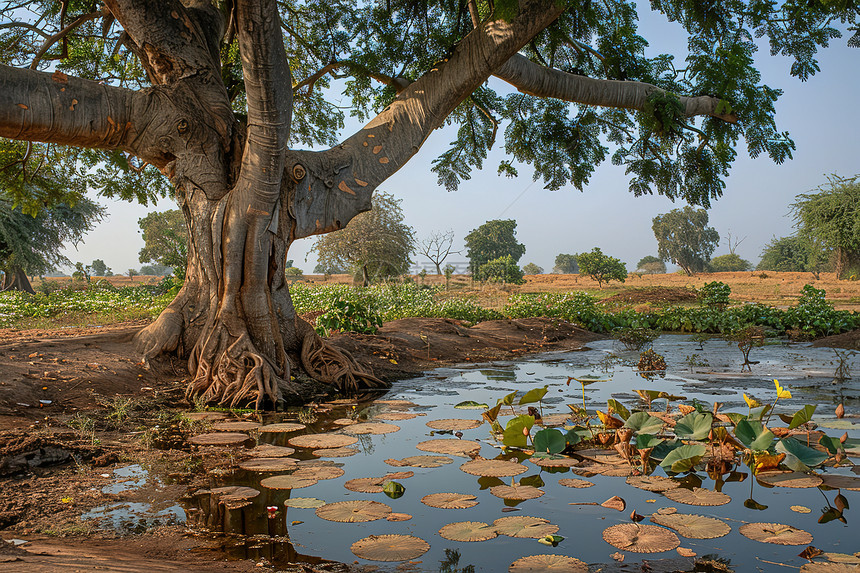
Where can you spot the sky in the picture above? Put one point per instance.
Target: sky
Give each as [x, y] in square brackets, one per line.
[818, 114]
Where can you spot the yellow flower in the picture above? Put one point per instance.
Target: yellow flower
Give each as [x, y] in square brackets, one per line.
[751, 402]
[780, 391]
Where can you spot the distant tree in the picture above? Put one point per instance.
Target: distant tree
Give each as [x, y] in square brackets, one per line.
[795, 254]
[600, 267]
[437, 247]
[82, 272]
[532, 269]
[493, 239]
[651, 265]
[449, 272]
[729, 263]
[502, 269]
[683, 237]
[376, 243]
[156, 270]
[321, 269]
[132, 273]
[565, 264]
[165, 240]
[831, 217]
[100, 269]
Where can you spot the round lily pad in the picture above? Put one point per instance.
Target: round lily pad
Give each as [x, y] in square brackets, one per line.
[555, 462]
[575, 482]
[238, 426]
[355, 511]
[219, 439]
[850, 483]
[518, 492]
[800, 509]
[304, 502]
[390, 547]
[318, 473]
[524, 526]
[282, 428]
[365, 485]
[468, 531]
[334, 452]
[286, 482]
[652, 483]
[395, 416]
[789, 479]
[234, 493]
[454, 424]
[398, 517]
[830, 568]
[493, 468]
[697, 496]
[420, 462]
[548, 564]
[368, 428]
[639, 538]
[693, 526]
[270, 451]
[204, 416]
[396, 403]
[555, 420]
[268, 464]
[318, 441]
[450, 446]
[449, 500]
[775, 533]
[344, 422]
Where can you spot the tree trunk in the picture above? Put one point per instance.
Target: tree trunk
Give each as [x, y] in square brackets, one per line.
[15, 278]
[438, 269]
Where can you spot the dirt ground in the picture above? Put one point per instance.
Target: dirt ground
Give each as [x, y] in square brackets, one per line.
[76, 404]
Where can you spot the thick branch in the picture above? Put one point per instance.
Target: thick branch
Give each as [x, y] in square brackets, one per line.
[335, 185]
[60, 35]
[534, 79]
[56, 108]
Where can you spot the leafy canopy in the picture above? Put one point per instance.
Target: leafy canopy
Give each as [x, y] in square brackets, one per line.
[651, 265]
[493, 239]
[795, 253]
[565, 264]
[600, 267]
[730, 263]
[501, 269]
[683, 237]
[165, 240]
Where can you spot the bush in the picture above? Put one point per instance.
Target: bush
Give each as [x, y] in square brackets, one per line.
[635, 338]
[532, 269]
[600, 267]
[651, 265]
[715, 294]
[348, 316]
[729, 263]
[503, 269]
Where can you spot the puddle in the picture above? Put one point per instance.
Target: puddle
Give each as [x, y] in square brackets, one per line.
[293, 533]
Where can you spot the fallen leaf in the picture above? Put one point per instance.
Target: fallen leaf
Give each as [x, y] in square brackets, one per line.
[614, 502]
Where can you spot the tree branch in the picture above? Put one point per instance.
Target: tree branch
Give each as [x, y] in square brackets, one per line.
[397, 83]
[61, 35]
[332, 186]
[30, 27]
[533, 79]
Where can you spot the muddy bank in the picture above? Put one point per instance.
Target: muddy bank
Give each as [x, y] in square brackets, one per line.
[848, 340]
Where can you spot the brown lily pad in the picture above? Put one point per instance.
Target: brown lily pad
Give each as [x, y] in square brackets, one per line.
[304, 502]
[796, 480]
[398, 517]
[775, 533]
[232, 493]
[454, 424]
[451, 447]
[548, 564]
[396, 403]
[390, 547]
[334, 452]
[449, 500]
[395, 416]
[365, 485]
[553, 462]
[354, 511]
[318, 473]
[204, 416]
[524, 526]
[639, 538]
[493, 468]
[850, 483]
[268, 464]
[830, 568]
[238, 426]
[800, 509]
[518, 492]
[693, 526]
[615, 502]
[270, 451]
[319, 441]
[574, 482]
[652, 483]
[468, 531]
[219, 439]
[287, 482]
[420, 462]
[282, 428]
[371, 428]
[344, 422]
[551, 420]
[697, 496]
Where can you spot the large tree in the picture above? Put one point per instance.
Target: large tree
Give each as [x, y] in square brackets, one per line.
[795, 254]
[683, 237]
[165, 240]
[218, 96]
[492, 240]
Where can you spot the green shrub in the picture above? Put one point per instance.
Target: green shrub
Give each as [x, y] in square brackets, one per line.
[716, 294]
[502, 269]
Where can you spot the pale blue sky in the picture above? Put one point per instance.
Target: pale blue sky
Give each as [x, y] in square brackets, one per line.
[818, 114]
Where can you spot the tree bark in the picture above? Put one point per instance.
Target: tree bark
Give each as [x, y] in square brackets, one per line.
[14, 278]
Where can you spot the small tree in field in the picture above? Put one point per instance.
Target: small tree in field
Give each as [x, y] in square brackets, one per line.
[730, 263]
[437, 247]
[100, 269]
[532, 269]
[683, 237]
[565, 264]
[503, 270]
[651, 265]
[132, 273]
[600, 267]
[493, 239]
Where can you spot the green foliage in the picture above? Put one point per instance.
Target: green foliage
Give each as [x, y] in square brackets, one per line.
[715, 294]
[517, 431]
[534, 395]
[729, 263]
[100, 269]
[801, 417]
[600, 267]
[753, 434]
[165, 240]
[377, 243]
[663, 114]
[651, 265]
[565, 264]
[799, 457]
[348, 316]
[549, 441]
[502, 269]
[683, 237]
[493, 240]
[532, 269]
[795, 253]
[683, 458]
[643, 423]
[694, 426]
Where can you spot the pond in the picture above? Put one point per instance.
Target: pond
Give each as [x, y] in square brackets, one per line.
[706, 373]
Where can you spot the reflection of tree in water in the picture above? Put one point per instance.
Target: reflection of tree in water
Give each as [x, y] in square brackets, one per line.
[366, 443]
[712, 563]
[451, 561]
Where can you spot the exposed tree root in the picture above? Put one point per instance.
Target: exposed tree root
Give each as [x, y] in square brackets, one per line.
[338, 368]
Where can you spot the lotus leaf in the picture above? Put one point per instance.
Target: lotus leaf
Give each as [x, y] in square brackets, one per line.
[648, 441]
[802, 416]
[509, 399]
[614, 405]
[471, 405]
[549, 440]
[644, 423]
[694, 426]
[800, 457]
[517, 430]
[683, 458]
[534, 395]
[753, 434]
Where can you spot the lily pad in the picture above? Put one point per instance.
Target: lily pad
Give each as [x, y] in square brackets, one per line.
[493, 468]
[575, 482]
[334, 452]
[697, 496]
[524, 526]
[555, 462]
[420, 462]
[287, 482]
[268, 464]
[270, 451]
[318, 472]
[789, 479]
[850, 483]
[449, 500]
[238, 426]
[775, 533]
[693, 526]
[319, 441]
[450, 446]
[694, 426]
[454, 424]
[395, 416]
[219, 439]
[468, 531]
[639, 538]
[548, 564]
[390, 547]
[304, 502]
[652, 483]
[355, 511]
[371, 428]
[282, 428]
[471, 405]
[518, 492]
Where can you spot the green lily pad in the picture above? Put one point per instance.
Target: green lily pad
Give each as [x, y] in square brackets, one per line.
[549, 440]
[694, 426]
[534, 395]
[753, 435]
[798, 456]
[683, 458]
[644, 423]
[471, 405]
